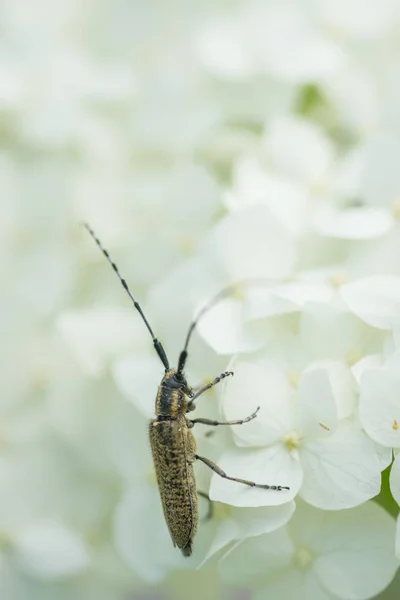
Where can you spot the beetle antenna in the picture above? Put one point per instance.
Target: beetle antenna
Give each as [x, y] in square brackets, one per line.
[227, 291]
[157, 344]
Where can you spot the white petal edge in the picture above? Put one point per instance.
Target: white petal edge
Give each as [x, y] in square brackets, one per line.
[376, 300]
[272, 466]
[380, 406]
[341, 471]
[357, 559]
[243, 523]
[256, 385]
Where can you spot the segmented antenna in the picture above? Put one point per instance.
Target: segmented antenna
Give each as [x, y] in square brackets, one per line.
[227, 291]
[157, 344]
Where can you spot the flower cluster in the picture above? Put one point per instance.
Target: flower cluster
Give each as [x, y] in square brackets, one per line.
[254, 143]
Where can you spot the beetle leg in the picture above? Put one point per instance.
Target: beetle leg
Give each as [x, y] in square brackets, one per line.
[209, 385]
[212, 465]
[192, 422]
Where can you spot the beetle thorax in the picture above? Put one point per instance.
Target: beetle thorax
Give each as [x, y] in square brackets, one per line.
[172, 395]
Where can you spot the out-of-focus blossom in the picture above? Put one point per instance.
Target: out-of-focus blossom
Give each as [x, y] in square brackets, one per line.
[321, 555]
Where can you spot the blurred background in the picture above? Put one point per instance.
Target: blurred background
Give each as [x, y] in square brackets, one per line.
[158, 123]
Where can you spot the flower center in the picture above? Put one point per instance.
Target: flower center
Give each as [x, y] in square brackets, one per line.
[292, 440]
[186, 245]
[353, 356]
[293, 377]
[338, 279]
[221, 510]
[5, 542]
[303, 558]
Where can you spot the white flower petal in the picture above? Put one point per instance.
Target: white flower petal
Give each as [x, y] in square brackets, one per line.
[375, 299]
[345, 17]
[357, 560]
[224, 329]
[396, 337]
[264, 386]
[380, 406]
[295, 584]
[253, 184]
[49, 550]
[285, 298]
[344, 387]
[380, 180]
[218, 50]
[243, 523]
[395, 479]
[261, 554]
[398, 538]
[271, 466]
[341, 471]
[299, 148]
[137, 377]
[268, 302]
[353, 223]
[385, 455]
[367, 363]
[142, 537]
[316, 403]
[330, 332]
[252, 243]
[316, 55]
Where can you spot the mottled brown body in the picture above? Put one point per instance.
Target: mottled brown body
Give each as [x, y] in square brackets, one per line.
[173, 447]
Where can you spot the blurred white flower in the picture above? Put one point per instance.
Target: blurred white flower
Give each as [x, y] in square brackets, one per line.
[253, 244]
[297, 440]
[319, 555]
[278, 39]
[363, 19]
[242, 523]
[49, 550]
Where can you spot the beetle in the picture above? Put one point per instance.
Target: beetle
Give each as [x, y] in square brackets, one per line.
[172, 442]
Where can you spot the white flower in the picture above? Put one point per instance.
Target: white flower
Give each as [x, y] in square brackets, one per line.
[353, 223]
[141, 535]
[254, 183]
[242, 523]
[49, 550]
[254, 40]
[299, 149]
[319, 555]
[359, 19]
[296, 440]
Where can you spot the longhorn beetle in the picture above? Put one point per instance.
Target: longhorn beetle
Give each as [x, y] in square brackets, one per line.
[172, 442]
